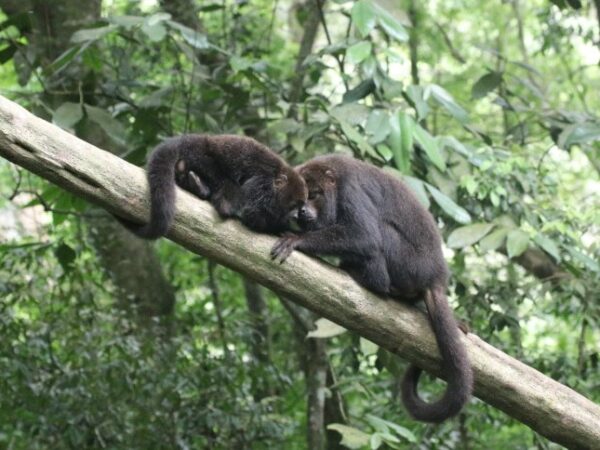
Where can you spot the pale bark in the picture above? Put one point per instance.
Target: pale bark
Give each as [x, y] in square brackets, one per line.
[548, 407]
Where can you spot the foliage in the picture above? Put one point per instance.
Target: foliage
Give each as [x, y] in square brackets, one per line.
[486, 110]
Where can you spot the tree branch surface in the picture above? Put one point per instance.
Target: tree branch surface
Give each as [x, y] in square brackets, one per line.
[548, 407]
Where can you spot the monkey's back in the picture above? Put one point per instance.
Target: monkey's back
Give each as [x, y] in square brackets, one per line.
[409, 236]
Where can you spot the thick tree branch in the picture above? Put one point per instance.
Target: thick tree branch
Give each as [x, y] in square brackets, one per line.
[545, 405]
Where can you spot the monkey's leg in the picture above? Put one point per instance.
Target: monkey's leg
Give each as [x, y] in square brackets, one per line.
[372, 274]
[196, 186]
[227, 200]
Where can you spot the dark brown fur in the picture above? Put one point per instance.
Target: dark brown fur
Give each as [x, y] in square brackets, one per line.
[390, 244]
[239, 176]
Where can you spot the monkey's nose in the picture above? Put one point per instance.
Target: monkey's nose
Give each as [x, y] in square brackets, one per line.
[302, 212]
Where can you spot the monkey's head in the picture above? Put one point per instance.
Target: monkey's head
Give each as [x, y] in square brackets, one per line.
[320, 210]
[290, 196]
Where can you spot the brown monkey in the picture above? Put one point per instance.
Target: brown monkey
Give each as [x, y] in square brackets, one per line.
[390, 244]
[239, 176]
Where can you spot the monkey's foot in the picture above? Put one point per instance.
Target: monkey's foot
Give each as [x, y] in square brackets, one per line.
[464, 327]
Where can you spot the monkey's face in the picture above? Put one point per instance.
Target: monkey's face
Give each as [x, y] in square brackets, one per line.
[320, 209]
[291, 195]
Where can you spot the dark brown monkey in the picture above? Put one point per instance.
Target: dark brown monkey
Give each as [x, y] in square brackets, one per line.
[390, 244]
[239, 176]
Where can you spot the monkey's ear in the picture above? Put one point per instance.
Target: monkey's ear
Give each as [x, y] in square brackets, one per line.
[329, 178]
[280, 181]
[180, 166]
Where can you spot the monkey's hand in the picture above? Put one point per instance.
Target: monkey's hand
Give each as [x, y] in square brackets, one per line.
[284, 247]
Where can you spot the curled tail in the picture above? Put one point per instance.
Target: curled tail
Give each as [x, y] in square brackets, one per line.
[455, 365]
[161, 179]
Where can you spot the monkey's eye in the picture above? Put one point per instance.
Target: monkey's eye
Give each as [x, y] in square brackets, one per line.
[314, 194]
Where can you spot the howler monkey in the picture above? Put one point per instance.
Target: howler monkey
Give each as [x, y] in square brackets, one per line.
[390, 244]
[239, 176]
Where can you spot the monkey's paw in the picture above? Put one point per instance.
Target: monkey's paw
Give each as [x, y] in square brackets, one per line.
[284, 247]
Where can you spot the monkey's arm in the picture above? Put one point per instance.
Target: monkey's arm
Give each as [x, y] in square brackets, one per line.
[337, 240]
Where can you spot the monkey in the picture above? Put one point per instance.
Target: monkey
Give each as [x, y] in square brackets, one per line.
[390, 244]
[239, 176]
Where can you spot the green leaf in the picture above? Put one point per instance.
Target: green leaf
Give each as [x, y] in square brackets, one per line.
[416, 95]
[126, 21]
[375, 441]
[192, 37]
[468, 235]
[579, 133]
[452, 209]
[418, 188]
[239, 63]
[378, 125]
[66, 256]
[363, 16]
[401, 153]
[517, 242]
[352, 113]
[156, 99]
[430, 146]
[415, 185]
[67, 115]
[486, 84]
[444, 98]
[157, 18]
[359, 52]
[385, 426]
[108, 123]
[360, 91]
[352, 438]
[407, 129]
[354, 135]
[326, 329]
[155, 33]
[91, 34]
[385, 152]
[548, 245]
[494, 240]
[367, 347]
[63, 60]
[390, 25]
[584, 259]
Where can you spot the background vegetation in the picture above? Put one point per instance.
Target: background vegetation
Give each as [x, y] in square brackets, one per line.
[486, 109]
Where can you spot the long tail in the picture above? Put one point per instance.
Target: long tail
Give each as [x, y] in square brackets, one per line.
[161, 178]
[455, 365]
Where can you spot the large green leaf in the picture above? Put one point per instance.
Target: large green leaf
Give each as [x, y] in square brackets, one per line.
[468, 235]
[67, 115]
[358, 52]
[363, 16]
[494, 240]
[517, 242]
[430, 145]
[579, 133]
[352, 438]
[486, 84]
[444, 98]
[402, 152]
[417, 97]
[326, 329]
[108, 123]
[415, 185]
[548, 245]
[390, 25]
[91, 34]
[378, 125]
[452, 209]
